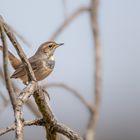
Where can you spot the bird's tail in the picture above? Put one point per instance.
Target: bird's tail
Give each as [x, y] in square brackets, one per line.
[13, 60]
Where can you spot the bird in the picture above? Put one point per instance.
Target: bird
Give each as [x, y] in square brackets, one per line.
[42, 62]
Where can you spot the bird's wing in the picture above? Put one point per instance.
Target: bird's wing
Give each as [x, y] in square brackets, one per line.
[20, 71]
[36, 64]
[15, 62]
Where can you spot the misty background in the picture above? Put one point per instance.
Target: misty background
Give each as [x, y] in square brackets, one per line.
[119, 30]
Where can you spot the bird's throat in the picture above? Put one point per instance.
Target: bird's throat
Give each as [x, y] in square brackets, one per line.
[51, 58]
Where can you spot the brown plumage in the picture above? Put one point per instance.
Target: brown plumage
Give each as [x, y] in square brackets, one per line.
[42, 62]
[15, 62]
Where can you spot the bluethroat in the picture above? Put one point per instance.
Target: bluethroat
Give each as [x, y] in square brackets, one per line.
[42, 62]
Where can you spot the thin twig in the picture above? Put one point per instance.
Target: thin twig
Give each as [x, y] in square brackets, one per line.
[36, 122]
[73, 91]
[58, 127]
[67, 21]
[91, 130]
[5, 66]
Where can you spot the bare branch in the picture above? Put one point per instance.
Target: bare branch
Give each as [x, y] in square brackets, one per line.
[2, 96]
[46, 112]
[73, 91]
[68, 21]
[23, 97]
[15, 63]
[58, 127]
[7, 129]
[5, 100]
[8, 83]
[50, 123]
[36, 122]
[5, 66]
[31, 77]
[91, 130]
[31, 106]
[29, 103]
[20, 52]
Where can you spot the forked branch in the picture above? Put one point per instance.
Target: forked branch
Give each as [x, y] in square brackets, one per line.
[49, 122]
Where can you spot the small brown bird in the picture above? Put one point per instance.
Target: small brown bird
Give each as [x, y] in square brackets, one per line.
[42, 62]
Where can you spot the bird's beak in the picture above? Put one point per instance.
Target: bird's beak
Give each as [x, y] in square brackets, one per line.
[60, 44]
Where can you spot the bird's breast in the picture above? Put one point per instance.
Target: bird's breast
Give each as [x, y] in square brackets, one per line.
[50, 63]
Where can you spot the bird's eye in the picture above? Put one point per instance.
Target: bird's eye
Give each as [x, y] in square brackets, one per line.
[50, 46]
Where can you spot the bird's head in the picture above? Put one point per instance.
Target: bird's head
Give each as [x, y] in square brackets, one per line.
[48, 48]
